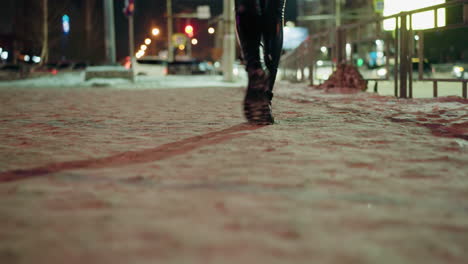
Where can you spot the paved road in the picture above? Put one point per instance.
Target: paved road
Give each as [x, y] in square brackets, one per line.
[99, 175]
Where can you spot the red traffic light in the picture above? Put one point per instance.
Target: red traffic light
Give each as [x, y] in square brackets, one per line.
[189, 30]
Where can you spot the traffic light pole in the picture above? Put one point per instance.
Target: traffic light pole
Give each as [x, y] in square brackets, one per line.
[170, 50]
[131, 43]
[229, 41]
[109, 31]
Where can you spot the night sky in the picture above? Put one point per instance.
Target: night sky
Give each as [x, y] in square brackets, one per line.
[148, 14]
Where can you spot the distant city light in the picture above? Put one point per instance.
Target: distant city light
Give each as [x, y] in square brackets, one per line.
[290, 24]
[4, 55]
[416, 37]
[155, 31]
[143, 47]
[66, 24]
[422, 20]
[211, 30]
[147, 41]
[36, 59]
[189, 30]
[324, 49]
[27, 58]
[181, 47]
[139, 54]
[382, 72]
[360, 62]
[349, 50]
[194, 41]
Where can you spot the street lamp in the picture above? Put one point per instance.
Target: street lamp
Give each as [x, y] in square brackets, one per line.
[194, 41]
[147, 41]
[143, 47]
[155, 31]
[139, 54]
[211, 30]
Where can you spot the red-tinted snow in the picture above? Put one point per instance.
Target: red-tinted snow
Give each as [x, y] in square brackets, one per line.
[175, 176]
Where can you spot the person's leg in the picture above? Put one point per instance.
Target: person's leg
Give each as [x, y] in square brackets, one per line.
[257, 101]
[248, 19]
[272, 33]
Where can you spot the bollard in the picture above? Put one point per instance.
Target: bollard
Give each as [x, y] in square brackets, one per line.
[464, 90]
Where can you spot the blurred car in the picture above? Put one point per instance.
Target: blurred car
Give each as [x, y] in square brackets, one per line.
[79, 66]
[10, 71]
[151, 66]
[190, 67]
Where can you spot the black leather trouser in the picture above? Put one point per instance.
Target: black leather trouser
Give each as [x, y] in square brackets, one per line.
[261, 21]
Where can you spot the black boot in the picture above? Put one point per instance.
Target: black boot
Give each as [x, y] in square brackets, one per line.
[257, 101]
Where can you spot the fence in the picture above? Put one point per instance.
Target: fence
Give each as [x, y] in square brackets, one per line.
[399, 45]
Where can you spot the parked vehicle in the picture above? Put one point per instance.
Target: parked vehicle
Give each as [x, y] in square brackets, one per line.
[10, 71]
[151, 66]
[191, 67]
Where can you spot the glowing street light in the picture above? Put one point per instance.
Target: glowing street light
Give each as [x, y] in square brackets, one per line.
[4, 55]
[181, 47]
[189, 30]
[143, 47]
[211, 30]
[194, 41]
[147, 41]
[155, 31]
[139, 54]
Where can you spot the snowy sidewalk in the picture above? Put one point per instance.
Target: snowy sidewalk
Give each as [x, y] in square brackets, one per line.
[90, 175]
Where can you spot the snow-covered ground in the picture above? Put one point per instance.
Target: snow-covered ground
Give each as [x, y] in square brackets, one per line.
[176, 176]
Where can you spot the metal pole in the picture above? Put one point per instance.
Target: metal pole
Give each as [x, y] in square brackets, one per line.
[337, 13]
[397, 54]
[410, 56]
[311, 59]
[189, 43]
[109, 31]
[131, 40]
[229, 41]
[45, 32]
[170, 50]
[403, 56]
[464, 90]
[337, 35]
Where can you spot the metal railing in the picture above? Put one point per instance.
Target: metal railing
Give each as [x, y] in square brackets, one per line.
[300, 64]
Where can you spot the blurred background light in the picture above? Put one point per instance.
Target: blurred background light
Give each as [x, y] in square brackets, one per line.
[4, 55]
[155, 31]
[423, 20]
[36, 59]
